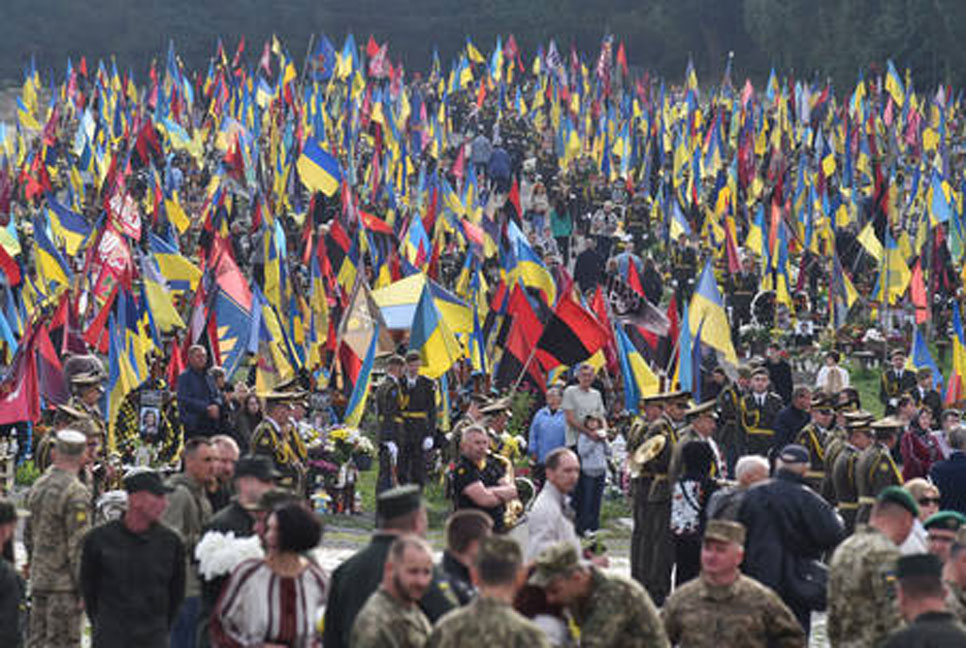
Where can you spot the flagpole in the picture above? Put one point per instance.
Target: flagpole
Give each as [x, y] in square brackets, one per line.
[523, 371]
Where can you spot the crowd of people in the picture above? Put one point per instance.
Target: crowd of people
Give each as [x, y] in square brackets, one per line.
[220, 288]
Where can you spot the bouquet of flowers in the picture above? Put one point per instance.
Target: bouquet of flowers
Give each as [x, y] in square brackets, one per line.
[346, 444]
[219, 553]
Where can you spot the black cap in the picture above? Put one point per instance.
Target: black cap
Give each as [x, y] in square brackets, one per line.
[398, 501]
[794, 454]
[146, 480]
[922, 564]
[261, 468]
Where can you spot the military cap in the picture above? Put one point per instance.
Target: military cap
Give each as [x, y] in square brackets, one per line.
[951, 412]
[86, 379]
[395, 360]
[900, 496]
[479, 399]
[922, 564]
[822, 401]
[707, 407]
[725, 531]
[897, 352]
[273, 498]
[70, 417]
[947, 520]
[70, 443]
[496, 406]
[556, 560]
[760, 371]
[889, 423]
[858, 418]
[398, 501]
[257, 466]
[794, 454]
[283, 396]
[146, 480]
[414, 356]
[653, 399]
[744, 371]
[924, 372]
[287, 385]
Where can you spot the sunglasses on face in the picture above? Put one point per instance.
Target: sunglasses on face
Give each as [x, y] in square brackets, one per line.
[927, 501]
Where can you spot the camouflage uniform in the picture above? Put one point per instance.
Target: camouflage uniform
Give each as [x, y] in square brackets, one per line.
[618, 612]
[745, 613]
[862, 610]
[956, 601]
[487, 622]
[384, 622]
[59, 507]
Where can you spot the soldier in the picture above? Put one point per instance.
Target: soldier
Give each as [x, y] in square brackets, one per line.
[271, 439]
[490, 620]
[954, 576]
[813, 437]
[922, 602]
[60, 516]
[65, 418]
[702, 422]
[419, 421]
[835, 442]
[390, 423]
[759, 409]
[843, 472]
[391, 617]
[610, 610]
[941, 531]
[742, 288]
[730, 435]
[724, 607]
[875, 468]
[472, 416]
[87, 390]
[861, 579]
[659, 544]
[641, 484]
[896, 382]
[479, 482]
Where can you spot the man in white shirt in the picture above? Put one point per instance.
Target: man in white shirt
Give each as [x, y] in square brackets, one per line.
[551, 518]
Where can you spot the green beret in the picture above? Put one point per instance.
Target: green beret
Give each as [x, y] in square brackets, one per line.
[398, 501]
[948, 520]
[900, 496]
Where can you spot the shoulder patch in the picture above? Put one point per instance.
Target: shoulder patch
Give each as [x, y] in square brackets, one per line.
[80, 516]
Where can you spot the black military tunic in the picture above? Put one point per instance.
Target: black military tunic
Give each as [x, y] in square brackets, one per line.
[895, 384]
[390, 430]
[758, 414]
[419, 421]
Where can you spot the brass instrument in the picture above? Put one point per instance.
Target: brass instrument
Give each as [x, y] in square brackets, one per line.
[515, 508]
[645, 452]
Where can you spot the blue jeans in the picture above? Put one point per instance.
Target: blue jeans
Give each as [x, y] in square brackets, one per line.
[590, 491]
[184, 633]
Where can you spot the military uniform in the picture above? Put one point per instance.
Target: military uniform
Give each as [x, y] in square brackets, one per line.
[658, 558]
[812, 437]
[384, 622]
[618, 612]
[862, 609]
[758, 414]
[419, 422]
[956, 601]
[269, 439]
[640, 486]
[874, 470]
[843, 481]
[465, 473]
[390, 431]
[487, 622]
[730, 434]
[894, 384]
[60, 516]
[744, 613]
[743, 287]
[835, 442]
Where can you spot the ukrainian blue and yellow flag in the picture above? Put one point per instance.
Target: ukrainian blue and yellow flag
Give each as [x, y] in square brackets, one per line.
[68, 226]
[639, 380]
[708, 307]
[432, 337]
[50, 263]
[180, 274]
[360, 391]
[318, 169]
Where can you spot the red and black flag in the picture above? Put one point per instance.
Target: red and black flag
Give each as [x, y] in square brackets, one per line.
[571, 335]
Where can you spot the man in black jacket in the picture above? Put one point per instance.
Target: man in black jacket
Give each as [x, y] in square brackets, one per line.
[133, 570]
[779, 371]
[465, 530]
[921, 598]
[789, 528]
[198, 396]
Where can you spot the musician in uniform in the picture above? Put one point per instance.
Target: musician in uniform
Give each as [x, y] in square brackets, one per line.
[659, 545]
[730, 434]
[476, 481]
[741, 290]
[419, 421]
[844, 471]
[653, 407]
[896, 382]
[925, 395]
[813, 437]
[390, 423]
[759, 409]
[272, 438]
[835, 442]
[876, 469]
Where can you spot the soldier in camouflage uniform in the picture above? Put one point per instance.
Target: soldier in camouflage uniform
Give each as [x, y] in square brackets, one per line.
[60, 516]
[862, 608]
[844, 471]
[610, 611]
[875, 468]
[65, 418]
[391, 617]
[490, 620]
[723, 607]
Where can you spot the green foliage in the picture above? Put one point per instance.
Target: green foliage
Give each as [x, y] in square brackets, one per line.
[27, 473]
[812, 38]
[521, 406]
